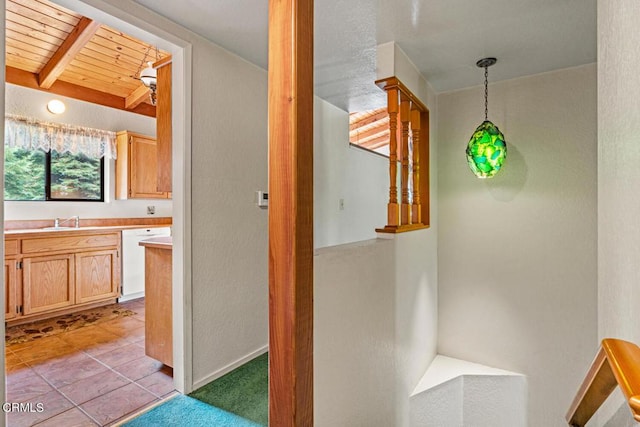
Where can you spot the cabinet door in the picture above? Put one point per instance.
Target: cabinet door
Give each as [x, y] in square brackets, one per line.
[97, 275]
[10, 280]
[47, 283]
[144, 169]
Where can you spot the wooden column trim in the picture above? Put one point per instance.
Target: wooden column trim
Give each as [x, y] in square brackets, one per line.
[416, 211]
[425, 210]
[290, 75]
[393, 210]
[164, 128]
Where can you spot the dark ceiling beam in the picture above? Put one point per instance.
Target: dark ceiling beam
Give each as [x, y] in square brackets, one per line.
[24, 78]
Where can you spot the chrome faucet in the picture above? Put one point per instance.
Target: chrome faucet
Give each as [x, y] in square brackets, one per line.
[76, 218]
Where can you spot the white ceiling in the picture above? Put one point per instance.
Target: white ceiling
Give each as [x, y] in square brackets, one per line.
[444, 38]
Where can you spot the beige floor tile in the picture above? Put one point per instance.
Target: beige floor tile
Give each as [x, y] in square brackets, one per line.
[71, 418]
[118, 403]
[89, 388]
[53, 403]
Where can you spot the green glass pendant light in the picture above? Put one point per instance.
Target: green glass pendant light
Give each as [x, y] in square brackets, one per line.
[487, 148]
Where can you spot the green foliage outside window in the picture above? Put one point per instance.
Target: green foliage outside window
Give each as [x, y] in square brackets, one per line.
[72, 177]
[75, 177]
[24, 174]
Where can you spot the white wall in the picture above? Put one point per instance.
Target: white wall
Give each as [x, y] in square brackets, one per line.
[417, 252]
[618, 178]
[354, 335]
[517, 253]
[32, 103]
[229, 239]
[618, 172]
[356, 176]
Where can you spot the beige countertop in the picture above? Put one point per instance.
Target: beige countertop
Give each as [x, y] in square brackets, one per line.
[47, 230]
[160, 242]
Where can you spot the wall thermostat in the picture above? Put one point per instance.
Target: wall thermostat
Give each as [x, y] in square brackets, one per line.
[263, 199]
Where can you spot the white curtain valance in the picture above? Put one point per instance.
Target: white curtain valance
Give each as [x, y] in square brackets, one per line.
[32, 134]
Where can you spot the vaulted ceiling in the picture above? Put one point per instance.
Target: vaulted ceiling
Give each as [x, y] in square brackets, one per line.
[54, 49]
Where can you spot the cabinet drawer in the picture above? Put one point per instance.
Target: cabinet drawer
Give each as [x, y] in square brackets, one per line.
[11, 247]
[73, 243]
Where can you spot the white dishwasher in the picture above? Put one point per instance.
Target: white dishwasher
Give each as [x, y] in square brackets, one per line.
[133, 259]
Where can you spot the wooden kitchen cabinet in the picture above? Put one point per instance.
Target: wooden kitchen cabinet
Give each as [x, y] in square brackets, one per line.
[11, 278]
[137, 167]
[50, 274]
[97, 275]
[48, 283]
[158, 323]
[10, 281]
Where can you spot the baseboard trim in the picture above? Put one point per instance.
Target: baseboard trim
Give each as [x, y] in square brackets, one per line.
[129, 297]
[230, 367]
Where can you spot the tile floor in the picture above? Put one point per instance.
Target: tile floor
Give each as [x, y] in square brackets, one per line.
[95, 375]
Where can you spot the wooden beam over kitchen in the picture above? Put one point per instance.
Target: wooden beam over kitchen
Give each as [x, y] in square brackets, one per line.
[24, 78]
[70, 47]
[136, 97]
[290, 97]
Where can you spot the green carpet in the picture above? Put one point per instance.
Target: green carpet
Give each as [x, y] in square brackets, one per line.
[184, 411]
[243, 391]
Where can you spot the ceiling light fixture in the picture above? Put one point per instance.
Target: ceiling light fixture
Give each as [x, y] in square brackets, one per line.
[149, 76]
[487, 148]
[55, 106]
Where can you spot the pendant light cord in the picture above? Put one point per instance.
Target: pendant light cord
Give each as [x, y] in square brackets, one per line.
[486, 93]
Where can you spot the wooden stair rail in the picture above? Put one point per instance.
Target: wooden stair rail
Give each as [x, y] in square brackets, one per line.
[409, 146]
[617, 363]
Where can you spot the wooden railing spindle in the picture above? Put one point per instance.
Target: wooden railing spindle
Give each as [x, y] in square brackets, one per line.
[405, 108]
[393, 208]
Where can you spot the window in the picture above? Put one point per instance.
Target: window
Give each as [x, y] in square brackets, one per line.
[36, 175]
[54, 161]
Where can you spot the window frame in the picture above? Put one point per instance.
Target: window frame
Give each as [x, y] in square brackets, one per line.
[47, 183]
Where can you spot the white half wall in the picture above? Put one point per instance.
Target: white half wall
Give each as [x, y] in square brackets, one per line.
[517, 253]
[32, 103]
[354, 345]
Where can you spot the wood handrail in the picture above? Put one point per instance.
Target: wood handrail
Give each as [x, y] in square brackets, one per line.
[616, 364]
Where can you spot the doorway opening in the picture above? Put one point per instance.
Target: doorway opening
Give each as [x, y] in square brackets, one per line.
[180, 51]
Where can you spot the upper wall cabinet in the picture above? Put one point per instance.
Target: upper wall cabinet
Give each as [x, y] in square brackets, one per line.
[137, 167]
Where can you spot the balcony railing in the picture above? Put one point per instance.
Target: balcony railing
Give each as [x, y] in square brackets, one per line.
[408, 147]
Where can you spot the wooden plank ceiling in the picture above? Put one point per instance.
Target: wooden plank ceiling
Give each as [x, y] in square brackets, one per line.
[54, 49]
[370, 129]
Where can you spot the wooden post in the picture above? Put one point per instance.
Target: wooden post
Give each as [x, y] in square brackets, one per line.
[164, 127]
[416, 211]
[405, 105]
[291, 213]
[425, 210]
[393, 211]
